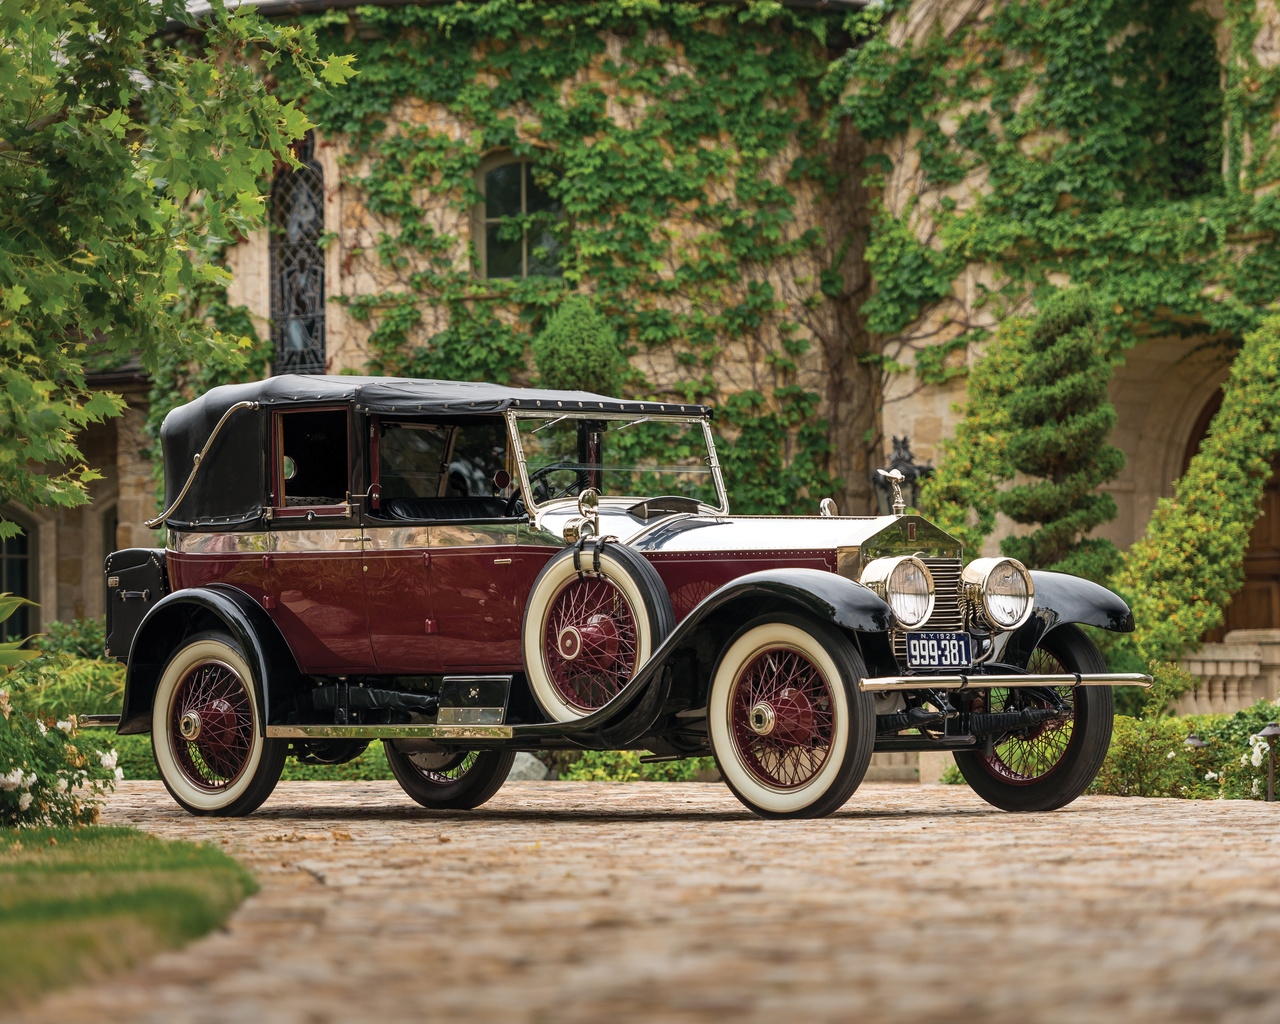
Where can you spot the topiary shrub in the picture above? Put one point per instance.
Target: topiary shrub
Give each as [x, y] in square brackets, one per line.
[578, 350]
[1059, 420]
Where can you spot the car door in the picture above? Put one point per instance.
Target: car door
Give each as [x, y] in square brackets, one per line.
[314, 587]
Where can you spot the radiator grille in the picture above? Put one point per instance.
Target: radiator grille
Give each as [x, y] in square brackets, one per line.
[947, 616]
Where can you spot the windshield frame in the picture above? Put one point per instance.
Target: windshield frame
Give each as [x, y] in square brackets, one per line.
[526, 491]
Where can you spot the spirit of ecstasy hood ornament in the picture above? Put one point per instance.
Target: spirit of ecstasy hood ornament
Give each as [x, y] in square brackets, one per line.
[895, 477]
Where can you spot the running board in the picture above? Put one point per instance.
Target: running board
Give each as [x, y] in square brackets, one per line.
[966, 682]
[390, 732]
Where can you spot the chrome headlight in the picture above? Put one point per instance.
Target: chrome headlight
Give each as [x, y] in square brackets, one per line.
[906, 584]
[998, 592]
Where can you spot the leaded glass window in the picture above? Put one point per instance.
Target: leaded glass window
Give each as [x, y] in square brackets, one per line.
[517, 234]
[297, 264]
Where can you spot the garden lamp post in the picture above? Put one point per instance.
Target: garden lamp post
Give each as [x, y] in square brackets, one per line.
[1269, 734]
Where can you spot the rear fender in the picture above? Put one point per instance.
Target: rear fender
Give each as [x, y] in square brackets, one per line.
[186, 612]
[1060, 599]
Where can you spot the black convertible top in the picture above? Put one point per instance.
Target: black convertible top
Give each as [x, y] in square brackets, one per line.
[230, 489]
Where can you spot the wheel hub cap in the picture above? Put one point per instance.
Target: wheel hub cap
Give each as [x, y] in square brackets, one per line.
[569, 643]
[189, 725]
[794, 712]
[762, 719]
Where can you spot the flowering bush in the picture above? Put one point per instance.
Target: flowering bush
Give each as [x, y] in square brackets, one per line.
[50, 774]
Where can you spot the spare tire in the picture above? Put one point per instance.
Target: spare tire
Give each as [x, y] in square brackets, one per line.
[590, 623]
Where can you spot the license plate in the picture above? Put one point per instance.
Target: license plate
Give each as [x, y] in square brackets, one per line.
[938, 650]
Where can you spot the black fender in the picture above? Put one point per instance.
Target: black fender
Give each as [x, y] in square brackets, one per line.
[1061, 599]
[185, 612]
[680, 669]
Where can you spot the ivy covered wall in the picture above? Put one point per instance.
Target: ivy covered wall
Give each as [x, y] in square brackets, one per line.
[712, 205]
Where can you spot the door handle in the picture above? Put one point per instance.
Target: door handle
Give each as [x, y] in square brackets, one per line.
[502, 561]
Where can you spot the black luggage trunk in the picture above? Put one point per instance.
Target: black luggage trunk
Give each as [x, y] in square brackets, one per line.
[136, 579]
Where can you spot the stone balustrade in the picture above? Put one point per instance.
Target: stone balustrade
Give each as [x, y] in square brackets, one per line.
[1241, 670]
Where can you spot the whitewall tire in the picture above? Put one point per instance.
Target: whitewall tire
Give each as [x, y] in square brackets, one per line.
[206, 730]
[791, 730]
[588, 628]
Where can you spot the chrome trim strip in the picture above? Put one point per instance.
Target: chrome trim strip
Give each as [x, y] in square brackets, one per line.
[220, 543]
[883, 683]
[388, 732]
[396, 538]
[471, 535]
[331, 539]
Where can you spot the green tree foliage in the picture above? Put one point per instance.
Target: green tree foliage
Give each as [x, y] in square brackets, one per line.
[1185, 569]
[578, 349]
[121, 156]
[1059, 421]
[1042, 139]
[678, 139]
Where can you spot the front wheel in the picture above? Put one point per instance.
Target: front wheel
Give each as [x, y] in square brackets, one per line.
[791, 728]
[206, 732]
[1050, 764]
[450, 781]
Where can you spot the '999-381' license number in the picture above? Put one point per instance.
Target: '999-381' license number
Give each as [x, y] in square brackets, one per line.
[938, 650]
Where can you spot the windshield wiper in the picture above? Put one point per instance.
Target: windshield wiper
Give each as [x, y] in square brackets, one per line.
[642, 419]
[549, 423]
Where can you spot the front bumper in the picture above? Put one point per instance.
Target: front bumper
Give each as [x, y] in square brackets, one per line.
[881, 684]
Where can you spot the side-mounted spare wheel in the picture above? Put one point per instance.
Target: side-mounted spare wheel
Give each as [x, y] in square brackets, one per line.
[791, 729]
[205, 730]
[595, 615]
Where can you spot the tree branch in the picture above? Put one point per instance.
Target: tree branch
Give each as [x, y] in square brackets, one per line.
[38, 125]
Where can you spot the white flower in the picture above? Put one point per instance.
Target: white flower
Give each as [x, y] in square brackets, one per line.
[41, 727]
[60, 787]
[65, 726]
[11, 781]
[1210, 776]
[1257, 756]
[119, 774]
[1255, 787]
[24, 801]
[1170, 756]
[1244, 758]
[29, 781]
[108, 759]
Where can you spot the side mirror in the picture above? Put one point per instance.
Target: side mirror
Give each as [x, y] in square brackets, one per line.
[290, 468]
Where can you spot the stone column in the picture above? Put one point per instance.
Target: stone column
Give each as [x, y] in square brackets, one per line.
[1266, 684]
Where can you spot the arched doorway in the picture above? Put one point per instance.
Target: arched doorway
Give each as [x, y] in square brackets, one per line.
[1257, 604]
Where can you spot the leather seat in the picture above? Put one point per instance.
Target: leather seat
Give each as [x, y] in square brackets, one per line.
[446, 508]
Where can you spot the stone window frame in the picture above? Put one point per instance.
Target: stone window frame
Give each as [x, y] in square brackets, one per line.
[31, 530]
[480, 222]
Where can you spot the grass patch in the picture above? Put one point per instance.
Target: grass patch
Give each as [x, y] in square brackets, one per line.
[80, 904]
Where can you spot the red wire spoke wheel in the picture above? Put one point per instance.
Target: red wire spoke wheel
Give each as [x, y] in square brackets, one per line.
[1045, 766]
[790, 727]
[782, 718]
[449, 780]
[205, 729]
[590, 640]
[213, 716]
[1025, 757]
[594, 616]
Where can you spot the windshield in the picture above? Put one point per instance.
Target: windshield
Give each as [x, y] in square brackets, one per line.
[638, 458]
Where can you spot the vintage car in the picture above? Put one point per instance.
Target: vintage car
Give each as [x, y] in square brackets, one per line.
[464, 571]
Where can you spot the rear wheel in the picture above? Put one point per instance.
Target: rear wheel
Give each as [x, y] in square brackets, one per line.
[1048, 765]
[791, 729]
[206, 732]
[455, 781]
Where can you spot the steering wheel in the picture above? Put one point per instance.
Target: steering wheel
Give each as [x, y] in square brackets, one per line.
[543, 491]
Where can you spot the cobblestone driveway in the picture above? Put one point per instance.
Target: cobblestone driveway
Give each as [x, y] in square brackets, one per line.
[566, 902]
